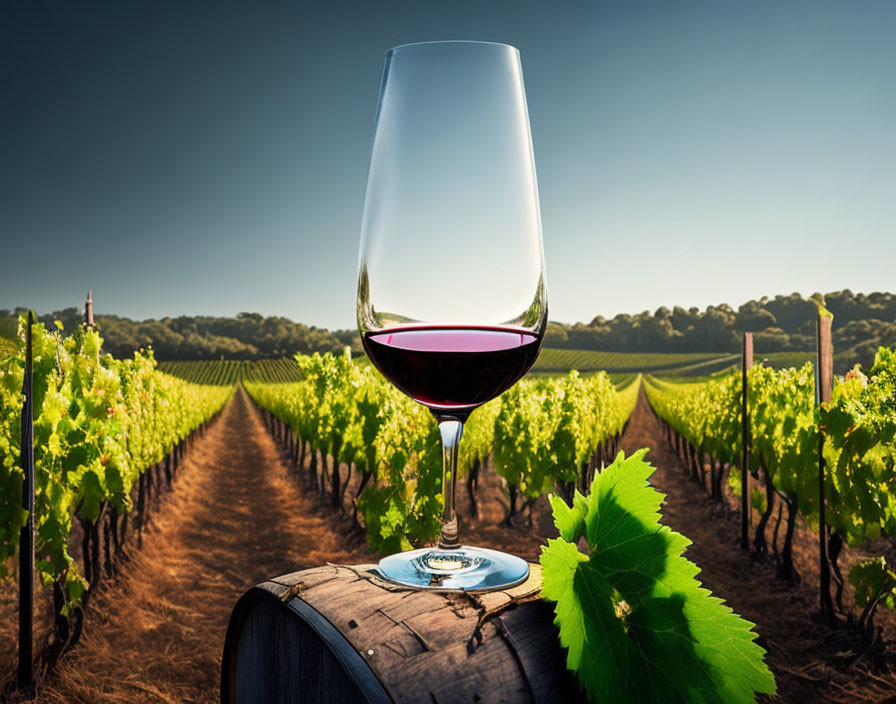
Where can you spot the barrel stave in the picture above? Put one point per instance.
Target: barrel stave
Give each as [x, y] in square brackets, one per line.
[428, 646]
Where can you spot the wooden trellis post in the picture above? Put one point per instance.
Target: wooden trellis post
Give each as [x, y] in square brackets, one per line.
[824, 371]
[88, 310]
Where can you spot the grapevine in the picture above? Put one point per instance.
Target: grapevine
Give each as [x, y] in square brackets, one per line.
[99, 424]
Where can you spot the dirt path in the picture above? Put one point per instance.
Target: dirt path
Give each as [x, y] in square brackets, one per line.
[234, 518]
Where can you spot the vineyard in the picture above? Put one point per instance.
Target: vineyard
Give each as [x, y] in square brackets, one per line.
[113, 471]
[448, 352]
[704, 424]
[107, 434]
[543, 433]
[587, 360]
[231, 372]
[621, 366]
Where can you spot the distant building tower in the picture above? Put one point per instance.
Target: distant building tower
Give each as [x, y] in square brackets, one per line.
[88, 310]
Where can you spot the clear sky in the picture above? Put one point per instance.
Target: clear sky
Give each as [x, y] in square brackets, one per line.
[211, 158]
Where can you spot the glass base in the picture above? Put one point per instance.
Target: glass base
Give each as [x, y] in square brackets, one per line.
[461, 569]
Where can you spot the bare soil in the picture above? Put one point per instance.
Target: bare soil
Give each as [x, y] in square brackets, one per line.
[239, 513]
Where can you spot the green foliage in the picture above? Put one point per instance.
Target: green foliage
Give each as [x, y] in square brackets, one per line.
[783, 324]
[222, 372]
[564, 360]
[546, 429]
[271, 370]
[758, 500]
[734, 483]
[7, 347]
[859, 426]
[243, 337]
[706, 414]
[618, 364]
[522, 433]
[784, 431]
[478, 437]
[349, 411]
[874, 583]
[98, 424]
[227, 372]
[637, 624]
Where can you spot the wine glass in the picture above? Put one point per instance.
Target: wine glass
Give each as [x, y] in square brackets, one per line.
[452, 304]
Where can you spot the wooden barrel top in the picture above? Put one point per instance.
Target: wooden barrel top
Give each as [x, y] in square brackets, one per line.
[439, 647]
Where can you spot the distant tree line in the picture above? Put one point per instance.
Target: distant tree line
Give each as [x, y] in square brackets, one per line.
[247, 336]
[862, 322]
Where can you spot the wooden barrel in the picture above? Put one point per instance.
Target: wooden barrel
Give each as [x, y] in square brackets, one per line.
[340, 634]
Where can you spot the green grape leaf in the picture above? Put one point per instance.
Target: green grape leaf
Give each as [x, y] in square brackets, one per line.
[569, 521]
[559, 562]
[873, 581]
[75, 585]
[92, 492]
[113, 478]
[837, 421]
[858, 442]
[638, 625]
[76, 457]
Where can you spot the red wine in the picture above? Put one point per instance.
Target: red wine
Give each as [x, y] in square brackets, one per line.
[452, 369]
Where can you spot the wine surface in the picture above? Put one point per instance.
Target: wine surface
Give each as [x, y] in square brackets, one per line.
[452, 369]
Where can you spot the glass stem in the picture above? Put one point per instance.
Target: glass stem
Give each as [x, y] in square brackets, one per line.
[451, 430]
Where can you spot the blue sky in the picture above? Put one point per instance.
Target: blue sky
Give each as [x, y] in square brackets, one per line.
[190, 158]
